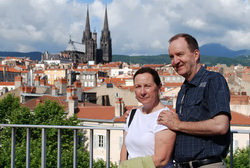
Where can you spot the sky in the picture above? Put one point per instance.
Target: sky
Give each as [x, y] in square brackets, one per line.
[138, 27]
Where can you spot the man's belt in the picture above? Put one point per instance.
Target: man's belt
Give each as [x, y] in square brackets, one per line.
[198, 163]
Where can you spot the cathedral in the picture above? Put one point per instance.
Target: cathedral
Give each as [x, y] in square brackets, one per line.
[87, 50]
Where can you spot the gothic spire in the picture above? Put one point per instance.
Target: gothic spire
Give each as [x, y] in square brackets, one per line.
[106, 44]
[86, 33]
[106, 26]
[105, 31]
[87, 26]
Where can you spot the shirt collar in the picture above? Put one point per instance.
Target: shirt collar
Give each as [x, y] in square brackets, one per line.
[197, 78]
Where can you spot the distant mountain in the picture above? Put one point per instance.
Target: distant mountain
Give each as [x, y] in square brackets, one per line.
[208, 59]
[218, 50]
[31, 55]
[164, 59]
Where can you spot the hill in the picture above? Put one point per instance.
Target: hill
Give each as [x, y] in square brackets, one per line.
[164, 59]
[31, 55]
[152, 59]
[214, 49]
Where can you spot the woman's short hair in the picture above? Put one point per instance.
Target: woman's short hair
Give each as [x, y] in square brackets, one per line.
[151, 71]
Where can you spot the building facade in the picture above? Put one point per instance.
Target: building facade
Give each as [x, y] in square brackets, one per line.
[87, 50]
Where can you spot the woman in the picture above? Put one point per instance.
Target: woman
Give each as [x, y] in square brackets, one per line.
[144, 137]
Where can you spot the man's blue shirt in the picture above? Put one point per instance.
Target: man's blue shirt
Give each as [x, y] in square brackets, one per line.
[204, 97]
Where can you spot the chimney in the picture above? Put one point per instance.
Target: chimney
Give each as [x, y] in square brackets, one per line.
[78, 87]
[72, 105]
[70, 92]
[62, 85]
[5, 69]
[18, 81]
[119, 107]
[42, 82]
[37, 80]
[54, 91]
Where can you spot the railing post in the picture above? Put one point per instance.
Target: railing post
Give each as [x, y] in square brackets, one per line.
[108, 149]
[231, 149]
[13, 147]
[59, 153]
[28, 148]
[43, 159]
[248, 139]
[91, 148]
[75, 149]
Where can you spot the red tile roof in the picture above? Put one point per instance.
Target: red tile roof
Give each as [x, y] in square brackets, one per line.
[22, 67]
[7, 83]
[95, 112]
[153, 65]
[168, 84]
[87, 88]
[240, 119]
[31, 104]
[239, 99]
[38, 72]
[9, 69]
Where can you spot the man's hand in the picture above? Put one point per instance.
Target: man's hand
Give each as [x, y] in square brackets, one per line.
[169, 119]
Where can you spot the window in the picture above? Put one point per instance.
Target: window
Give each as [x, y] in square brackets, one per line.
[100, 141]
[116, 94]
[109, 85]
[91, 84]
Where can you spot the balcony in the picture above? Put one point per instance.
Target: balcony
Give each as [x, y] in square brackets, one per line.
[75, 129]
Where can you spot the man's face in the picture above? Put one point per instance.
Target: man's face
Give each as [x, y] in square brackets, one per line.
[182, 59]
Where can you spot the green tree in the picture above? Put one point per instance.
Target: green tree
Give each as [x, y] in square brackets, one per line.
[47, 113]
[241, 158]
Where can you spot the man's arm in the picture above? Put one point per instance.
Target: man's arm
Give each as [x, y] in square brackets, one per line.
[217, 125]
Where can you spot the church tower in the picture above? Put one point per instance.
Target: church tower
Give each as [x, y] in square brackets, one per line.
[105, 41]
[89, 41]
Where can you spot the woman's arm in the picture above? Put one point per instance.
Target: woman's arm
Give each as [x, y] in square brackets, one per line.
[164, 145]
[123, 154]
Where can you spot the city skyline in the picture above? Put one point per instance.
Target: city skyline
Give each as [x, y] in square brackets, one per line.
[137, 27]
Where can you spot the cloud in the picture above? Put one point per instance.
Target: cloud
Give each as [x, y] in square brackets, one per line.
[196, 24]
[137, 26]
[241, 36]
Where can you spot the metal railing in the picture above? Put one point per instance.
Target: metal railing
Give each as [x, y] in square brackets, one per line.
[232, 140]
[43, 153]
[75, 128]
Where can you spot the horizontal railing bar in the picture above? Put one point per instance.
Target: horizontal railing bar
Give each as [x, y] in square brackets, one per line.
[88, 127]
[75, 128]
[241, 131]
[61, 127]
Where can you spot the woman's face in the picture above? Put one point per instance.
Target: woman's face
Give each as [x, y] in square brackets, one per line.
[146, 90]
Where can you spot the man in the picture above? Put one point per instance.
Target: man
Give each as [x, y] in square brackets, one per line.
[202, 109]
